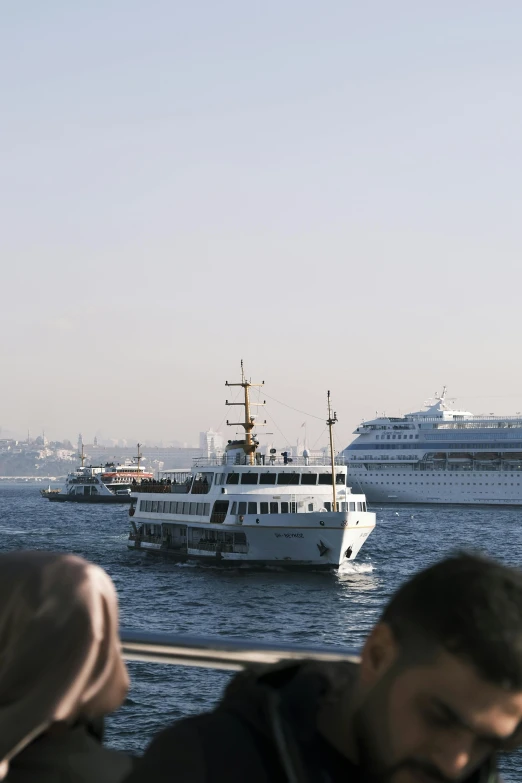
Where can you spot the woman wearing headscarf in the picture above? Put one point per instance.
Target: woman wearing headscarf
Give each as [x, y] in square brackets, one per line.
[61, 670]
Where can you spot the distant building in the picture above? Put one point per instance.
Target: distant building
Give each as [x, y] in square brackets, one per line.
[211, 443]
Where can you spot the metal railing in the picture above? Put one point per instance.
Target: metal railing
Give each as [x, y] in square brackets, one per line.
[214, 652]
[268, 461]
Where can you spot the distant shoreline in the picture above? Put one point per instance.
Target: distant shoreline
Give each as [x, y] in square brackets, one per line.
[37, 479]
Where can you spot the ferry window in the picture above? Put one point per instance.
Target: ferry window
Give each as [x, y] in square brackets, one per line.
[344, 506]
[325, 478]
[192, 508]
[284, 508]
[148, 505]
[154, 506]
[186, 507]
[199, 509]
[218, 479]
[252, 508]
[288, 478]
[274, 508]
[416, 437]
[311, 506]
[359, 506]
[241, 508]
[328, 506]
[267, 478]
[179, 507]
[263, 508]
[249, 478]
[352, 505]
[411, 436]
[376, 437]
[340, 478]
[309, 478]
[206, 509]
[233, 510]
[233, 478]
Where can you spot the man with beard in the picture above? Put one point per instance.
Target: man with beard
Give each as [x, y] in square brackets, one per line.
[437, 694]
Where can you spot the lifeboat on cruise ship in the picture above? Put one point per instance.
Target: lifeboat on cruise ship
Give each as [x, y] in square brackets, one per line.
[459, 457]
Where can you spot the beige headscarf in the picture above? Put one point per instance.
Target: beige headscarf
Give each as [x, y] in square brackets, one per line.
[60, 654]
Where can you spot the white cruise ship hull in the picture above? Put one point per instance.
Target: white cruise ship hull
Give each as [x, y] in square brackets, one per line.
[501, 488]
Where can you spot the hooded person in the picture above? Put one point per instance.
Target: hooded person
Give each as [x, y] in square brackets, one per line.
[436, 695]
[61, 670]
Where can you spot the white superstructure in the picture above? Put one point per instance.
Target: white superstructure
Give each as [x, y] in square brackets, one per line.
[438, 455]
[248, 508]
[110, 483]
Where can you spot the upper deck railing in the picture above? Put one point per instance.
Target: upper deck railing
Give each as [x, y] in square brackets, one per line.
[219, 652]
[268, 461]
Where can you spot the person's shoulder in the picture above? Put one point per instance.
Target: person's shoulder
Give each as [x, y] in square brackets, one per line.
[71, 757]
[178, 751]
[209, 748]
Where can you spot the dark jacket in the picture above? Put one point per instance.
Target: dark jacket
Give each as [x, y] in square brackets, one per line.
[263, 731]
[69, 755]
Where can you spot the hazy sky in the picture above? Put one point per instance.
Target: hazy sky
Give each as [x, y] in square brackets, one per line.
[330, 191]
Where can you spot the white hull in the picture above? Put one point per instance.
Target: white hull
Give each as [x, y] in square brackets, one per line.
[440, 486]
[311, 544]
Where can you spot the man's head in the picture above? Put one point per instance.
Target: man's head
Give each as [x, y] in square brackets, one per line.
[441, 674]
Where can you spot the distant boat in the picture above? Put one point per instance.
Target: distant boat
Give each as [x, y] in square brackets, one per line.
[110, 483]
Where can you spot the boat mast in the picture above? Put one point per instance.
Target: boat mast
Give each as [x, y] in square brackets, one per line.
[330, 422]
[248, 424]
[82, 456]
[139, 456]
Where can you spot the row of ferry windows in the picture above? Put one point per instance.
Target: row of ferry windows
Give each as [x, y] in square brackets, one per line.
[171, 507]
[308, 479]
[241, 507]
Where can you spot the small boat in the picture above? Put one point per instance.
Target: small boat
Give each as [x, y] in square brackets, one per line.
[49, 491]
[109, 483]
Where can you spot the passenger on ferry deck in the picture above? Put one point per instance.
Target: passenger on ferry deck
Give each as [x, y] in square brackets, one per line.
[61, 670]
[436, 695]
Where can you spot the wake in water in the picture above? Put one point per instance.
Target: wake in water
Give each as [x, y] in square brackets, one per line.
[355, 568]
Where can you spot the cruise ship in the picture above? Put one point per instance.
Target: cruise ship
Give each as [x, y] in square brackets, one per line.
[253, 508]
[438, 455]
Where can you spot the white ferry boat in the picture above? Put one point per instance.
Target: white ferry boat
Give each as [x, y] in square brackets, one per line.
[252, 508]
[438, 455]
[110, 483]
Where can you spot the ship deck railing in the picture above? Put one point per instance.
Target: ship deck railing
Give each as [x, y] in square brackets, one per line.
[268, 462]
[220, 652]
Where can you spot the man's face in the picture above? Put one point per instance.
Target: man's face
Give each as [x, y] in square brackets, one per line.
[431, 722]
